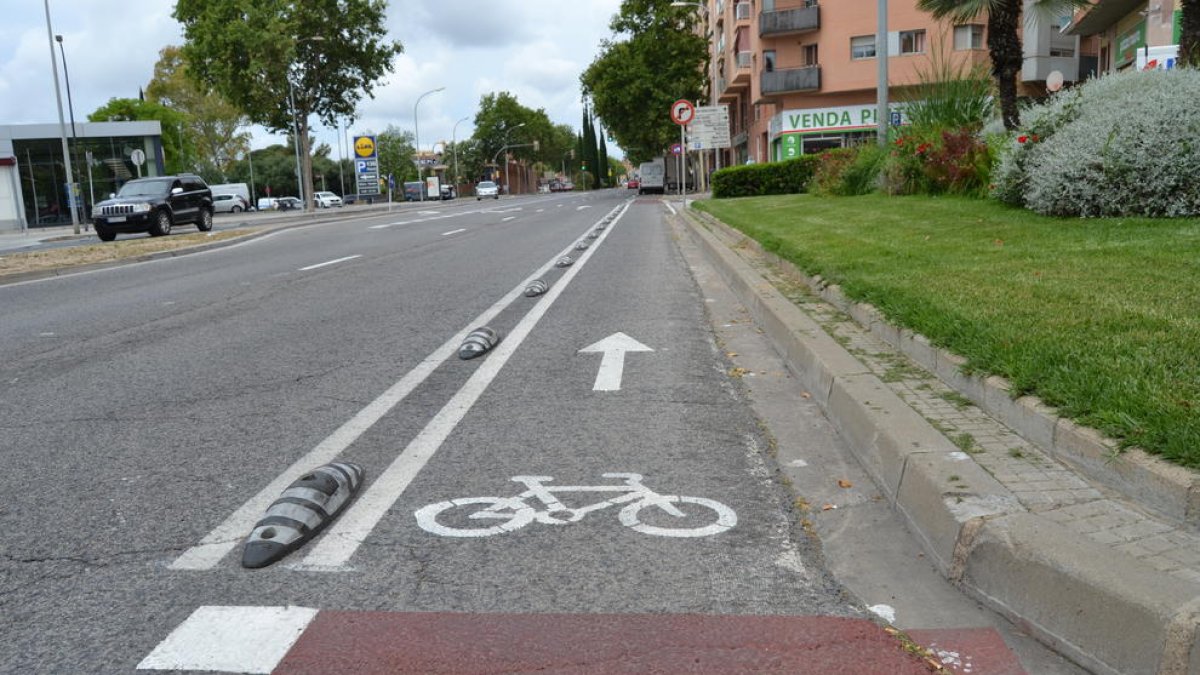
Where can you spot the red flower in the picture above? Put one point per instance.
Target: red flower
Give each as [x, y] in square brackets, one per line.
[1022, 139]
[1034, 138]
[900, 141]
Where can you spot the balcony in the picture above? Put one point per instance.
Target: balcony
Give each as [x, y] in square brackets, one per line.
[791, 80]
[741, 12]
[789, 21]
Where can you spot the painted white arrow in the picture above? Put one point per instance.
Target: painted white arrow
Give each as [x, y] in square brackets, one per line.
[613, 364]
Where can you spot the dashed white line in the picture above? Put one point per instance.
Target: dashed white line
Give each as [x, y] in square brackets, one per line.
[231, 639]
[505, 220]
[329, 262]
[380, 227]
[461, 229]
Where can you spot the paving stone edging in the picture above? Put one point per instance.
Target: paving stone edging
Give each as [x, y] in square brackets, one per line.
[1096, 606]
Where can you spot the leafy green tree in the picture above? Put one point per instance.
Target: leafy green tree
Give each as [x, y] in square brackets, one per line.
[212, 126]
[396, 152]
[321, 55]
[656, 59]
[1004, 43]
[177, 154]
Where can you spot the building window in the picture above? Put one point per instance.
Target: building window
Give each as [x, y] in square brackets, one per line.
[769, 60]
[912, 41]
[862, 47]
[809, 55]
[969, 36]
[1067, 52]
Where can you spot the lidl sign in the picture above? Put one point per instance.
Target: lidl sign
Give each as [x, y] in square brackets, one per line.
[364, 146]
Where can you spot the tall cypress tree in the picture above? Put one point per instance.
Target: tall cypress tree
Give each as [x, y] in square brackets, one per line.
[603, 157]
[589, 145]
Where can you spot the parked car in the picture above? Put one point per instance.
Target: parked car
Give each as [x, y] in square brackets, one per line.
[229, 204]
[632, 183]
[155, 205]
[448, 191]
[486, 188]
[267, 204]
[289, 204]
[326, 200]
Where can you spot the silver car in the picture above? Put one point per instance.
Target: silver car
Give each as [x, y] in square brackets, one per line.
[487, 189]
[228, 204]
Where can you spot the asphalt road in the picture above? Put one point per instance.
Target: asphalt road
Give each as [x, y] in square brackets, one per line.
[143, 406]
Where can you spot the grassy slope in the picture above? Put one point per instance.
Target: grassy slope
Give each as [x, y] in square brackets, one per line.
[1100, 318]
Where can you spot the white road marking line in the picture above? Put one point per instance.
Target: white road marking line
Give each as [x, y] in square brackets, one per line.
[671, 208]
[585, 206]
[336, 548]
[380, 227]
[329, 262]
[505, 220]
[428, 213]
[461, 229]
[231, 639]
[540, 210]
[223, 538]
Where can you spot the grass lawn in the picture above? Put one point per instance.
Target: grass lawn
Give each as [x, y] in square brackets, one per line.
[1098, 317]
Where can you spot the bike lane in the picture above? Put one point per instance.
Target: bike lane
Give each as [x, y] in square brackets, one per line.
[609, 591]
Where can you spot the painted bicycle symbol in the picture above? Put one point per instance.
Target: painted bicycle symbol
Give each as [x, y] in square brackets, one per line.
[645, 510]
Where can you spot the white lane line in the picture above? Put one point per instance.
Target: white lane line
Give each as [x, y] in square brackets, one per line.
[669, 207]
[505, 220]
[428, 213]
[540, 210]
[224, 537]
[335, 549]
[585, 206]
[461, 229]
[380, 227]
[231, 639]
[329, 262]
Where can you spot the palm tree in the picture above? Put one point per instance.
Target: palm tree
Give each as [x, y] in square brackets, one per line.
[1189, 38]
[1004, 45]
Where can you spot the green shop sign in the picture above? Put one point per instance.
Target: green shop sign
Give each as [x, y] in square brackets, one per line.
[1129, 42]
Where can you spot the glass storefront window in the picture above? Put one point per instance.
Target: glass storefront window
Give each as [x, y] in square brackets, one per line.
[44, 181]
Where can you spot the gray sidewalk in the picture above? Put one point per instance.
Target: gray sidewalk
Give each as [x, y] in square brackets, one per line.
[1097, 553]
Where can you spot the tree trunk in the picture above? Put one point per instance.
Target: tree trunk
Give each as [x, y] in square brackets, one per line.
[1189, 38]
[1005, 49]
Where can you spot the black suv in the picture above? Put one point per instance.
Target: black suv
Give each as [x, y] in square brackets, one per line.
[155, 205]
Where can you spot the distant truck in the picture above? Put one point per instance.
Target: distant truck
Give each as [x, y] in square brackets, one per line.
[240, 189]
[653, 177]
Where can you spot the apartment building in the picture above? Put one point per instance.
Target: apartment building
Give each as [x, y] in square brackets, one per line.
[800, 76]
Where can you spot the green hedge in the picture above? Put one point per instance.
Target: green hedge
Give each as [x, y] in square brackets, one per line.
[753, 180]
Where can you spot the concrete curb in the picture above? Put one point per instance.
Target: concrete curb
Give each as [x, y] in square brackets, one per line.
[1100, 607]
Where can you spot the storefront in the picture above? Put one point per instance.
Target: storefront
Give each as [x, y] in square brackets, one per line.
[810, 130]
[34, 187]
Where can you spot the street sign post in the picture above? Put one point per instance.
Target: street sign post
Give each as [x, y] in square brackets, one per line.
[682, 113]
[366, 164]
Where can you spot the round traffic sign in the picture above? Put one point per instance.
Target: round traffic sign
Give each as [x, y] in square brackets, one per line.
[683, 112]
[676, 149]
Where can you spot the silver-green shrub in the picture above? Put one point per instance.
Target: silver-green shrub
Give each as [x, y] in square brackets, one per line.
[1121, 145]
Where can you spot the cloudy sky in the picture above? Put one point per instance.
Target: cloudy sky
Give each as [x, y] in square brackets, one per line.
[534, 49]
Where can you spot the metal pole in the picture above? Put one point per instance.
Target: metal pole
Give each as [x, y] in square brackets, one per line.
[881, 87]
[682, 140]
[341, 159]
[74, 137]
[454, 146]
[296, 143]
[253, 187]
[62, 124]
[417, 139]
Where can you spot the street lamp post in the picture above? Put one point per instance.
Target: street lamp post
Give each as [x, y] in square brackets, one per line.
[881, 86]
[74, 137]
[62, 124]
[454, 149]
[417, 138]
[507, 131]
